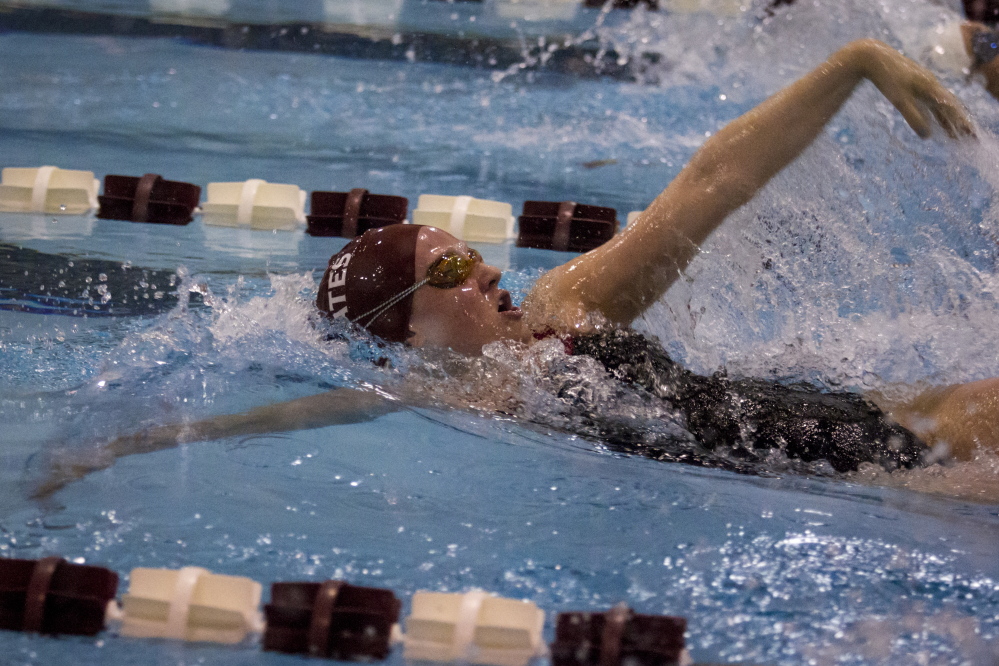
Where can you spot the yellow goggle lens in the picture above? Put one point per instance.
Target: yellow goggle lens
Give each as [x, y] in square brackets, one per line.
[452, 270]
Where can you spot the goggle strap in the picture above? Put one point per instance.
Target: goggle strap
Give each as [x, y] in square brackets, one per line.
[381, 309]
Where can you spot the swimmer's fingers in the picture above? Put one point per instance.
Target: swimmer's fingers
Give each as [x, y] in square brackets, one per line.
[48, 488]
[68, 466]
[948, 113]
[58, 479]
[945, 107]
[953, 119]
[916, 116]
[915, 92]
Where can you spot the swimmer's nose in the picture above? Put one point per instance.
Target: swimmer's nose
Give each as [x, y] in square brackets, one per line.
[488, 277]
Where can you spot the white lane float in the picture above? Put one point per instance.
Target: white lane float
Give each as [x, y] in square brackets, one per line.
[49, 190]
[473, 628]
[190, 604]
[467, 218]
[255, 204]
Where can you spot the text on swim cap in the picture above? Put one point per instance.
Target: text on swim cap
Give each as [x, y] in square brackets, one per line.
[338, 278]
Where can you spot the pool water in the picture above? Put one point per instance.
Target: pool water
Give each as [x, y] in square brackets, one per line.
[870, 264]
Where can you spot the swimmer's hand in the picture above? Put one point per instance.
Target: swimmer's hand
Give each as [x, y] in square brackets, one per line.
[914, 91]
[68, 465]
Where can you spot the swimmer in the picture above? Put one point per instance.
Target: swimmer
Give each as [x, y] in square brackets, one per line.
[973, 49]
[982, 45]
[423, 288]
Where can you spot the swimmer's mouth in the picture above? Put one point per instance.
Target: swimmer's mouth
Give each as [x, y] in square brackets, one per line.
[506, 306]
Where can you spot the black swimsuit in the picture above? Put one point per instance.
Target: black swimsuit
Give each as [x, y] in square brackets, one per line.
[736, 423]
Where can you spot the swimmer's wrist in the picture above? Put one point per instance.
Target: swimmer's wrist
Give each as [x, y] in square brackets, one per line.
[868, 57]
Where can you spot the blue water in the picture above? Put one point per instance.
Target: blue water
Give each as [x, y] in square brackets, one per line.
[871, 262]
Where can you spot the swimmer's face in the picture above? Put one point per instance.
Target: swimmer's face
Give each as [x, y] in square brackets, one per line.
[468, 316]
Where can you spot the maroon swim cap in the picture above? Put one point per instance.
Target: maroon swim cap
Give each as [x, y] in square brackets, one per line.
[367, 274]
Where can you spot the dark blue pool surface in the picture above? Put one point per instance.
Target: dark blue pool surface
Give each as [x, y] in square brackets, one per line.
[871, 262]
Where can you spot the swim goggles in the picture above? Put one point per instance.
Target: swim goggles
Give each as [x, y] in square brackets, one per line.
[985, 46]
[448, 271]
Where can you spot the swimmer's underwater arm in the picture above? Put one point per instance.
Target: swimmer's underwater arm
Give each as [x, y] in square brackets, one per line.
[626, 275]
[336, 407]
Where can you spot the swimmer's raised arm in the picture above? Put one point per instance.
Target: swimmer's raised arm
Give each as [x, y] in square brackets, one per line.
[336, 407]
[623, 277]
